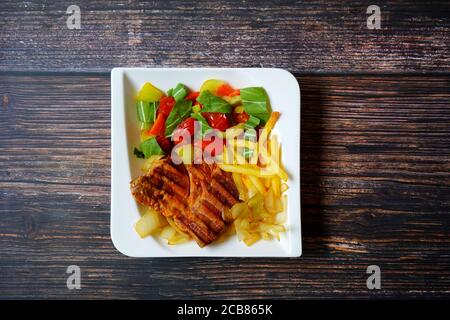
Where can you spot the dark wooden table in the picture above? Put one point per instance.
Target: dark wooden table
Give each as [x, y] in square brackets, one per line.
[375, 145]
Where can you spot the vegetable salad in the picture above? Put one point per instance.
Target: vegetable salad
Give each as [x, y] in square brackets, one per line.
[216, 106]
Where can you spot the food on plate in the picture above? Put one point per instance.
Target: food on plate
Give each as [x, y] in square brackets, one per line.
[197, 198]
[211, 165]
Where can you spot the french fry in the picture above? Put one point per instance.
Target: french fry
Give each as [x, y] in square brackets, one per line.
[266, 236]
[249, 185]
[269, 126]
[255, 200]
[240, 160]
[285, 202]
[251, 239]
[178, 239]
[244, 224]
[241, 227]
[257, 184]
[281, 218]
[242, 169]
[243, 193]
[226, 234]
[238, 209]
[266, 216]
[275, 185]
[274, 146]
[278, 206]
[269, 202]
[272, 167]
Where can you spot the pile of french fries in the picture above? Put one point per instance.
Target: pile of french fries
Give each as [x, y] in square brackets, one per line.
[261, 183]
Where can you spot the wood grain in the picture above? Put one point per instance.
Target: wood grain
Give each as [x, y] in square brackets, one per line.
[375, 190]
[311, 36]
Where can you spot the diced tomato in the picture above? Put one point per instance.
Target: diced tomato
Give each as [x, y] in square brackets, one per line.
[192, 95]
[217, 120]
[241, 117]
[224, 90]
[188, 126]
[165, 106]
[235, 93]
[164, 143]
[159, 127]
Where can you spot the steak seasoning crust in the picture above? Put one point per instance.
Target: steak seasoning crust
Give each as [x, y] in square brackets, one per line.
[197, 197]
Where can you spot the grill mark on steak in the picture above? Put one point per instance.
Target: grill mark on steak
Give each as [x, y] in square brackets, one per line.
[196, 229]
[228, 198]
[209, 217]
[196, 196]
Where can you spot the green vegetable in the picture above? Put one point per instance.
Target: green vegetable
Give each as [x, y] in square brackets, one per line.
[151, 147]
[197, 108]
[180, 111]
[234, 101]
[211, 103]
[138, 153]
[178, 93]
[147, 111]
[169, 92]
[204, 124]
[256, 102]
[252, 122]
[145, 126]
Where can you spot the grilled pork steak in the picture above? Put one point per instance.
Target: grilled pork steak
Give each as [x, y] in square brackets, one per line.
[197, 197]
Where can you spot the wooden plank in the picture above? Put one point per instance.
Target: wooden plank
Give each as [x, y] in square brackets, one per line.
[375, 190]
[319, 36]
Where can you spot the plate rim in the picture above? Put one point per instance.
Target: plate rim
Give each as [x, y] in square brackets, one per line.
[117, 75]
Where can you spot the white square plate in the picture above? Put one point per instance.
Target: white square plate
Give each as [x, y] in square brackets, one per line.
[284, 94]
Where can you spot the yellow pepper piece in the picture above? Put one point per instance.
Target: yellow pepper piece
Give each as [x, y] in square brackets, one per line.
[211, 85]
[149, 93]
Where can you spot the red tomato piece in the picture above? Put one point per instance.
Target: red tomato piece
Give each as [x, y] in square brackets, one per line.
[241, 117]
[235, 93]
[188, 126]
[165, 105]
[224, 90]
[217, 120]
[192, 95]
[159, 127]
